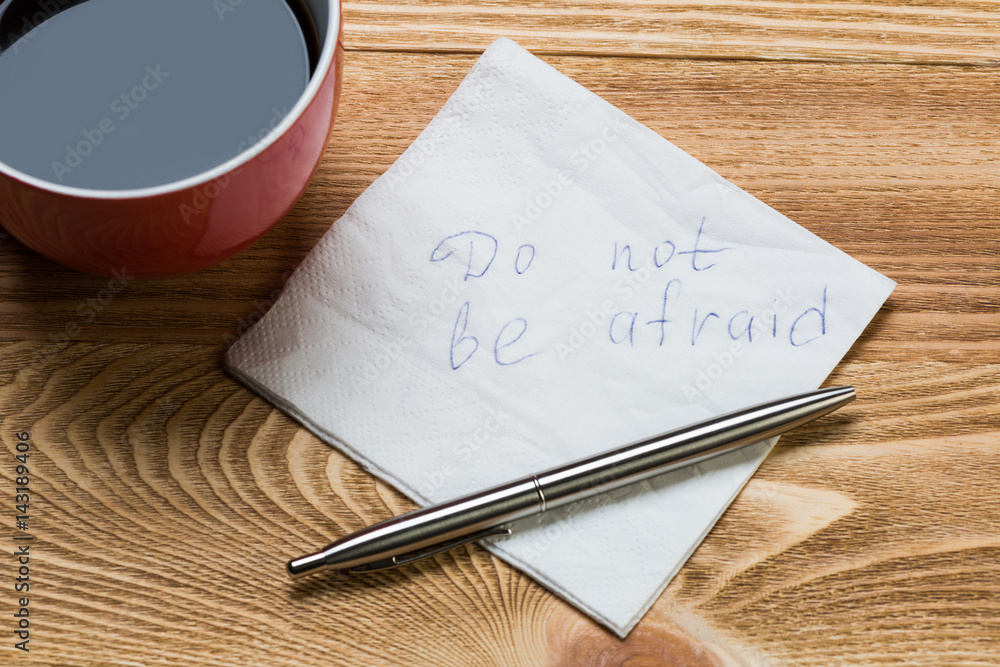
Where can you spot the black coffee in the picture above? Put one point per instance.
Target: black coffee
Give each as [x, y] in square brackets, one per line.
[122, 94]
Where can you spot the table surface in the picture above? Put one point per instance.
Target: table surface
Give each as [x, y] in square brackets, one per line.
[166, 495]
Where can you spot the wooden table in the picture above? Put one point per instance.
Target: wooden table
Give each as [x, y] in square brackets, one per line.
[165, 495]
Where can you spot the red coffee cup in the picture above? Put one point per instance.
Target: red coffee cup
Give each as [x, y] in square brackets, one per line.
[184, 226]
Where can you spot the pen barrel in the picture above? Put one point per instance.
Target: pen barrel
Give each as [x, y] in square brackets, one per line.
[696, 443]
[430, 526]
[423, 531]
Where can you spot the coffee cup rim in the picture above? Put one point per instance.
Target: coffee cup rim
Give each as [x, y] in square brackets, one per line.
[327, 58]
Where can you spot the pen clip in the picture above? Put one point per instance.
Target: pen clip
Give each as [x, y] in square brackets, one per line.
[409, 557]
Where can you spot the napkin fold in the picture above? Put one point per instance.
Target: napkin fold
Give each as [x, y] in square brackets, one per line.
[538, 278]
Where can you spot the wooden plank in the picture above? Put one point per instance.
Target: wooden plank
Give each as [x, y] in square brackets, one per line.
[168, 496]
[894, 164]
[896, 31]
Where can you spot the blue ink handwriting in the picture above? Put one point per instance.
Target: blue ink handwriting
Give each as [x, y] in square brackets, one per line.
[463, 345]
[666, 251]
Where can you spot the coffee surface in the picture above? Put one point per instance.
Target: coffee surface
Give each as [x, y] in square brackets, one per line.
[123, 94]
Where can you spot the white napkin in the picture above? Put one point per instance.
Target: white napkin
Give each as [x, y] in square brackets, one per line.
[538, 278]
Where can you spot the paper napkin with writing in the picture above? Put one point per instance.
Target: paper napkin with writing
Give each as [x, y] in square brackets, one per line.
[538, 278]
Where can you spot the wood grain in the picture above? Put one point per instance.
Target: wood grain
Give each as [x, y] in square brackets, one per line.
[899, 31]
[167, 495]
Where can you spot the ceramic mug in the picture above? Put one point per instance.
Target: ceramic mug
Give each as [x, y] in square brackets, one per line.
[180, 227]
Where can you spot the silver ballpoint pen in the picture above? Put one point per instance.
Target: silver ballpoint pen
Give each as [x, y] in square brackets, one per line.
[431, 530]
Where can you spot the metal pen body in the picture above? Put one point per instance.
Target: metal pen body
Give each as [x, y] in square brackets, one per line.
[426, 528]
[426, 531]
[686, 446]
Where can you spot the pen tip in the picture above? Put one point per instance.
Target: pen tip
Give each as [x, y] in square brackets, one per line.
[300, 567]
